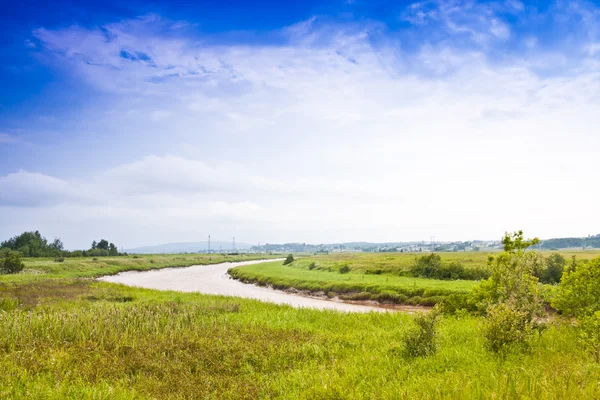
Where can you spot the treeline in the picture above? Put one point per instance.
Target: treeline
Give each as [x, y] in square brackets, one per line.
[562, 243]
[33, 244]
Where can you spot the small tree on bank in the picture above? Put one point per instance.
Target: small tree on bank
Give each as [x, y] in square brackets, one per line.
[288, 260]
[510, 298]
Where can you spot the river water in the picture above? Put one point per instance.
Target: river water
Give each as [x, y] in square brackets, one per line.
[213, 279]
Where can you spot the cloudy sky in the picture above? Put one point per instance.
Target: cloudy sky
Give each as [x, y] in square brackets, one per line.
[326, 121]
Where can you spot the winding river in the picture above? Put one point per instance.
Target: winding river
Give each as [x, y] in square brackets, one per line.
[213, 279]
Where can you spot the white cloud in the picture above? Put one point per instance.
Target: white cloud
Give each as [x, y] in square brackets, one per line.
[327, 137]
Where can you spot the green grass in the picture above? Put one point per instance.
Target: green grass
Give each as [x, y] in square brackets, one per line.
[65, 336]
[100, 340]
[87, 267]
[401, 262]
[374, 276]
[351, 286]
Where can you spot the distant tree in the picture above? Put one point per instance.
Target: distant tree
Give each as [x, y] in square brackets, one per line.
[31, 244]
[11, 262]
[57, 244]
[94, 245]
[102, 245]
[288, 260]
[112, 250]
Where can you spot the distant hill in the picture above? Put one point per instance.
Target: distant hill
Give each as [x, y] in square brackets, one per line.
[187, 247]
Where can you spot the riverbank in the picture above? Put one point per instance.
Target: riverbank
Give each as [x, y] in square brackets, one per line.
[213, 279]
[384, 289]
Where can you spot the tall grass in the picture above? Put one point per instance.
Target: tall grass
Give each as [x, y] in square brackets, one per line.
[174, 345]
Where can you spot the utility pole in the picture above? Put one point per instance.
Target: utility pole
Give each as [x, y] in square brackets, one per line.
[208, 244]
[233, 244]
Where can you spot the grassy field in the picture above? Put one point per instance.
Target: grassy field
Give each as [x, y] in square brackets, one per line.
[63, 335]
[87, 267]
[351, 286]
[401, 262]
[74, 338]
[371, 276]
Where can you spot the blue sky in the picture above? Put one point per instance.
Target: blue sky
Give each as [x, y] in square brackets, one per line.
[151, 122]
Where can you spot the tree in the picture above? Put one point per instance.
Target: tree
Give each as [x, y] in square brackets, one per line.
[57, 244]
[94, 245]
[112, 250]
[510, 297]
[11, 263]
[102, 245]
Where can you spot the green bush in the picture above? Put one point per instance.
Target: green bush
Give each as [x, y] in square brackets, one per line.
[431, 266]
[506, 327]
[344, 269]
[11, 263]
[511, 297]
[421, 340]
[579, 296]
[312, 265]
[288, 260]
[590, 334]
[553, 269]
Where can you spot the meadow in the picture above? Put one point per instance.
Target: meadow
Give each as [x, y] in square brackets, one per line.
[383, 288]
[380, 277]
[64, 335]
[76, 339]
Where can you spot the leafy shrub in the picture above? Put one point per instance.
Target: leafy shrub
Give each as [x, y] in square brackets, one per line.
[421, 340]
[579, 296]
[288, 260]
[312, 265]
[554, 267]
[59, 259]
[590, 334]
[426, 266]
[136, 256]
[511, 297]
[506, 327]
[344, 269]
[459, 303]
[97, 253]
[374, 271]
[11, 263]
[431, 266]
